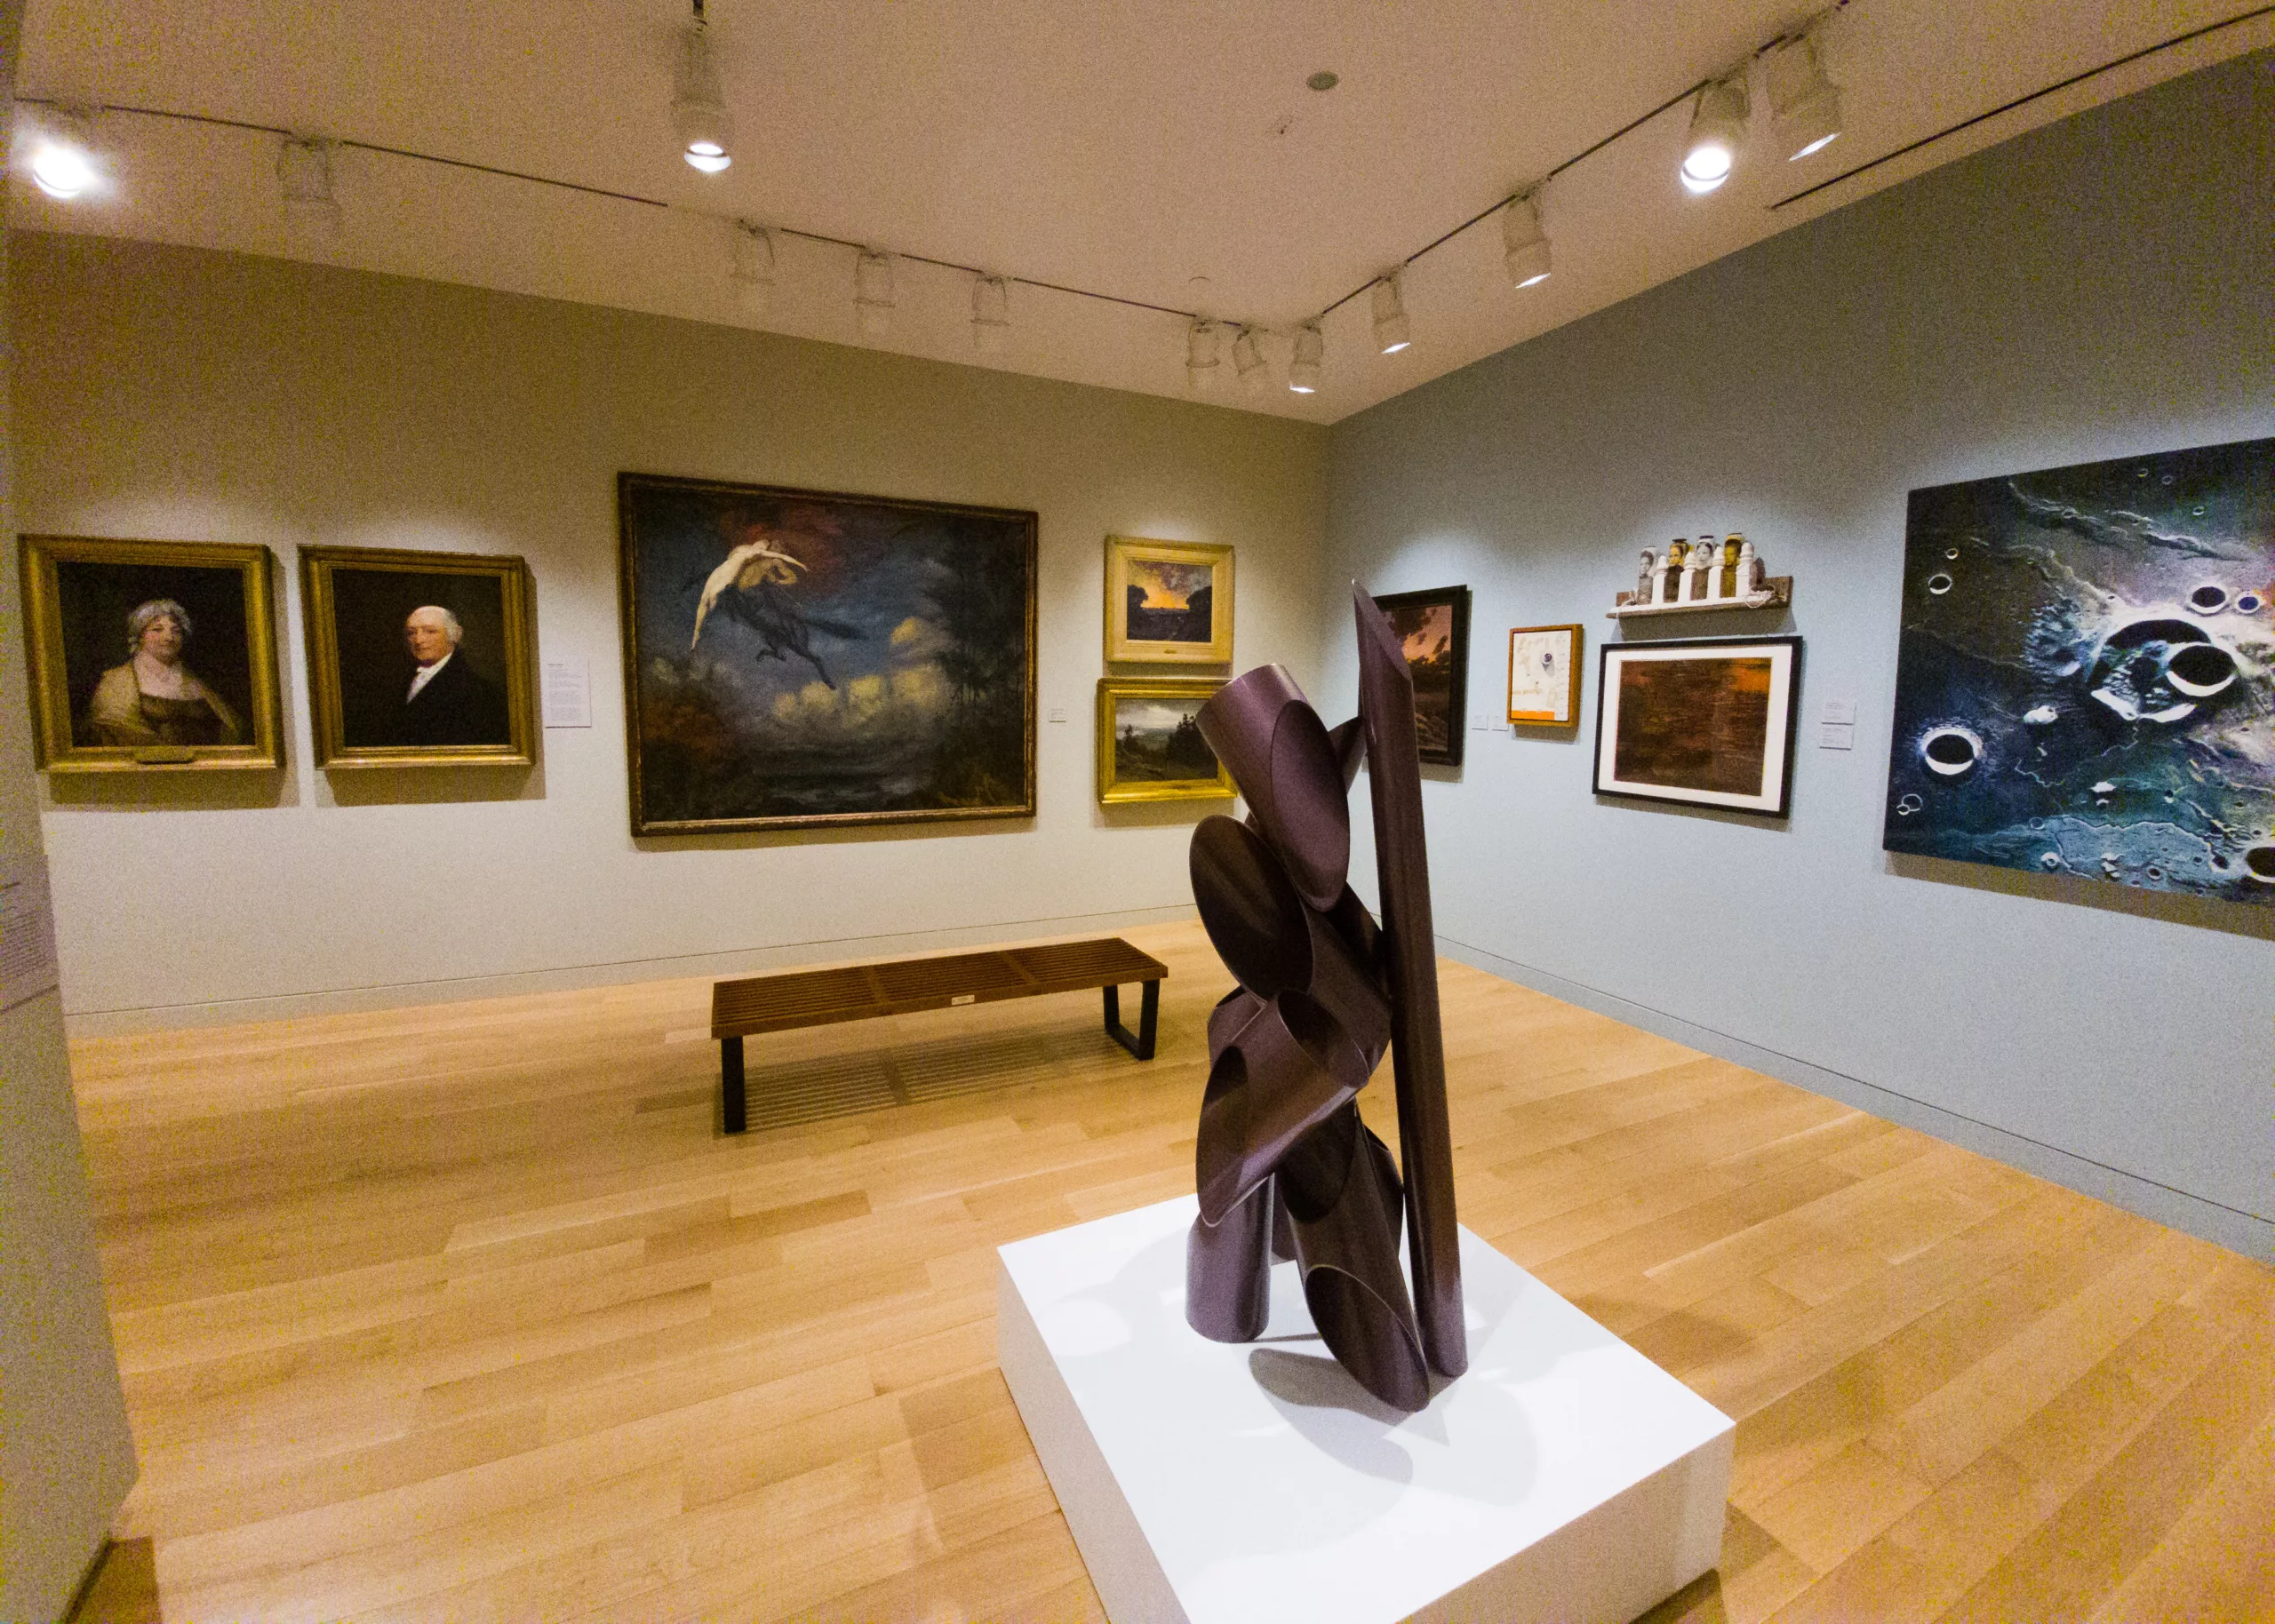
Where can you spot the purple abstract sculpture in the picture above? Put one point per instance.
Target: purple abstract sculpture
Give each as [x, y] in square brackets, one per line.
[1284, 1165]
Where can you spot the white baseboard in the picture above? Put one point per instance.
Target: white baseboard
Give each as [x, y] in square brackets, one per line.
[565, 978]
[2215, 1222]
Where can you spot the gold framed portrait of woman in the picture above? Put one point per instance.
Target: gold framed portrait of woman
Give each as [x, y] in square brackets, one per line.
[149, 656]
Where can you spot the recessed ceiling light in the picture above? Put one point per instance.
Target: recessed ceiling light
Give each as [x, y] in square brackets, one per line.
[1323, 80]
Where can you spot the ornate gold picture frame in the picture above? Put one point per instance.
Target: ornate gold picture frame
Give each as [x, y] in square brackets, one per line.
[151, 656]
[1149, 745]
[419, 659]
[1168, 602]
[796, 659]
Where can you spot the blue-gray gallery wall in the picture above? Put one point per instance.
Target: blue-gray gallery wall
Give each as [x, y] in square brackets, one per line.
[2101, 287]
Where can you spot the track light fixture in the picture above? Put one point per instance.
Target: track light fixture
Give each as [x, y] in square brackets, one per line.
[1247, 357]
[1311, 347]
[304, 176]
[752, 267]
[1391, 333]
[63, 155]
[1524, 245]
[1717, 128]
[698, 105]
[991, 316]
[1202, 340]
[873, 298]
[1803, 102]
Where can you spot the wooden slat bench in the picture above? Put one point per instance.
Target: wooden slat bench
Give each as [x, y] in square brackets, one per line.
[793, 998]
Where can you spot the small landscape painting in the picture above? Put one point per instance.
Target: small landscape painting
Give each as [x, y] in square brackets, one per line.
[796, 658]
[2087, 672]
[1435, 627]
[1150, 746]
[1703, 722]
[1168, 602]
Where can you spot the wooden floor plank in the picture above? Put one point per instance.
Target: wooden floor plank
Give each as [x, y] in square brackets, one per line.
[466, 1313]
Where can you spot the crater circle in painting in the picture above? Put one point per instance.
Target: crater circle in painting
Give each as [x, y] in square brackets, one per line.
[796, 658]
[2086, 679]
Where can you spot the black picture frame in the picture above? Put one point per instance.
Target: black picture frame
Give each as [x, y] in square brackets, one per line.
[1648, 722]
[1440, 693]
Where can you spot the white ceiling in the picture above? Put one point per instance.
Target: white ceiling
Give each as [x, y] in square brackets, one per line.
[1125, 149]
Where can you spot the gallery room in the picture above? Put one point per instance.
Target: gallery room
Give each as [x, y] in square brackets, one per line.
[963, 812]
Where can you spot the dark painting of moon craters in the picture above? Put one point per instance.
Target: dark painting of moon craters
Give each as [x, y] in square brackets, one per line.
[2086, 680]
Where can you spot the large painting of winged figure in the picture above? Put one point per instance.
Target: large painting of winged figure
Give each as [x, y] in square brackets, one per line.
[796, 658]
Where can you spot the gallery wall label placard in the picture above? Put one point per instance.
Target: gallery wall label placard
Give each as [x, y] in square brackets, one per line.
[28, 967]
[568, 694]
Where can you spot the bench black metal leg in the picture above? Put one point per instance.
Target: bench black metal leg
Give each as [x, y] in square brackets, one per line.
[1149, 1011]
[730, 1084]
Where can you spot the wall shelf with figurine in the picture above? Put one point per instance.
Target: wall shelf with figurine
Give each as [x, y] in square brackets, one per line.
[1695, 577]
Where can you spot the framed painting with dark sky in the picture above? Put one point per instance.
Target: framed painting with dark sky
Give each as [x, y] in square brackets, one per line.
[1168, 602]
[796, 658]
[2087, 673]
[1704, 722]
[1435, 627]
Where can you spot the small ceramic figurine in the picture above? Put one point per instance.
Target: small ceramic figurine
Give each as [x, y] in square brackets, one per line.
[1666, 585]
[1694, 576]
[1750, 570]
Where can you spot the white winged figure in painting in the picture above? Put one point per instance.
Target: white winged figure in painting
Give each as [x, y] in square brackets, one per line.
[751, 585]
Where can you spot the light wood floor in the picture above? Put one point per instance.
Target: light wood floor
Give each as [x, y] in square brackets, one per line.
[465, 1313]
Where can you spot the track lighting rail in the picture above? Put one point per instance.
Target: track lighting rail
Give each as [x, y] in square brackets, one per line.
[1526, 243]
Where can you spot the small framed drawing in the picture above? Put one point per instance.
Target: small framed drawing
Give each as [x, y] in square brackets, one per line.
[1434, 626]
[418, 659]
[1150, 746]
[1706, 721]
[148, 655]
[1168, 602]
[1544, 676]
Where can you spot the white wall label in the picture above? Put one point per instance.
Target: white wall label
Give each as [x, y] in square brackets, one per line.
[1057, 713]
[1840, 710]
[568, 694]
[1836, 736]
[27, 934]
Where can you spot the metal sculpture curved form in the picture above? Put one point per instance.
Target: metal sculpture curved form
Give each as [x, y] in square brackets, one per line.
[1284, 1165]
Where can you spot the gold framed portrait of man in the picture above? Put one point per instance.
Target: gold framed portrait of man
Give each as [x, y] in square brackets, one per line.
[1168, 602]
[419, 659]
[148, 655]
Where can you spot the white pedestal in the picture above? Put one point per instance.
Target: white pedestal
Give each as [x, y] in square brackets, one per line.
[1565, 1477]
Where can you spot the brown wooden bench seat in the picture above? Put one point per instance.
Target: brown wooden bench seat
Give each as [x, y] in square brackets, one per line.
[793, 998]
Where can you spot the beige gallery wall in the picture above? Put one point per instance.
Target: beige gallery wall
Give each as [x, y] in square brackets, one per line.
[183, 394]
